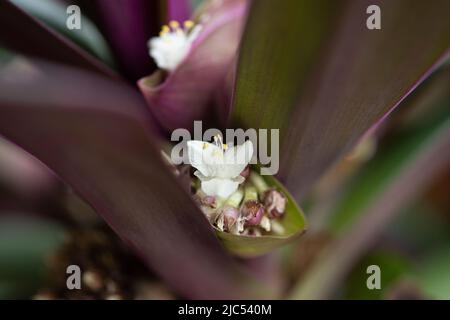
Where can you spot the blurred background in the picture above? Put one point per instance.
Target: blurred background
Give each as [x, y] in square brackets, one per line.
[378, 206]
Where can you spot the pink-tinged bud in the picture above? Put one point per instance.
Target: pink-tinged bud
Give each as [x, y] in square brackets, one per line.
[205, 200]
[246, 172]
[209, 201]
[230, 216]
[275, 203]
[252, 211]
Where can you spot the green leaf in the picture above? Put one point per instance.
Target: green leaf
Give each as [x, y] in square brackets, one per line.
[315, 71]
[393, 266]
[25, 34]
[390, 181]
[280, 41]
[25, 244]
[368, 185]
[393, 158]
[365, 75]
[433, 274]
[293, 221]
[53, 13]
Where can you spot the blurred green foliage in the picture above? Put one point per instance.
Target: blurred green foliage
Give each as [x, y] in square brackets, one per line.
[393, 266]
[54, 15]
[25, 244]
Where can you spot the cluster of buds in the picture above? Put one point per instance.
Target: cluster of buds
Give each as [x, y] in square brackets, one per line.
[253, 210]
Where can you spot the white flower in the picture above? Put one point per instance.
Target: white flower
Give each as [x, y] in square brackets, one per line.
[173, 44]
[219, 166]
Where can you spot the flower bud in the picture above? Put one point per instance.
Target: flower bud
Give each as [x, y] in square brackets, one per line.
[207, 204]
[209, 201]
[230, 216]
[275, 203]
[204, 200]
[246, 172]
[226, 218]
[252, 211]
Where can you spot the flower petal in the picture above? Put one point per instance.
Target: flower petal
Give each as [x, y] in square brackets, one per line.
[222, 188]
[235, 160]
[186, 93]
[205, 157]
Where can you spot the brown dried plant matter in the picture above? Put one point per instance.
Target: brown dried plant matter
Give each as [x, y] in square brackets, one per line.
[108, 270]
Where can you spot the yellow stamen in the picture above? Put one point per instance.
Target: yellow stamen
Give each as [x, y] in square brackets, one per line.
[174, 24]
[165, 29]
[205, 145]
[188, 24]
[219, 142]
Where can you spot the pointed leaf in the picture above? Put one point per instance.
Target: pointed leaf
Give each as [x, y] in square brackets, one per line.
[187, 93]
[279, 45]
[128, 25]
[54, 15]
[23, 33]
[390, 181]
[367, 74]
[344, 76]
[93, 133]
[294, 223]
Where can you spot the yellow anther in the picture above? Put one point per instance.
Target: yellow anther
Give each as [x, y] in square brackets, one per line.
[165, 29]
[205, 145]
[188, 24]
[225, 146]
[174, 24]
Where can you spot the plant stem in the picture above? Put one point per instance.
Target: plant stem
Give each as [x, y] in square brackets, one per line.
[235, 199]
[250, 193]
[258, 182]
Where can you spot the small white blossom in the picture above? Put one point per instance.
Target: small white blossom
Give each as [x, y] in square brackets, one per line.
[173, 44]
[219, 166]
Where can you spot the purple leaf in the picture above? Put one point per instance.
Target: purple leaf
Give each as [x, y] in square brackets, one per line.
[187, 93]
[128, 25]
[315, 71]
[93, 132]
[364, 75]
[21, 32]
[389, 182]
[178, 10]
[23, 175]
